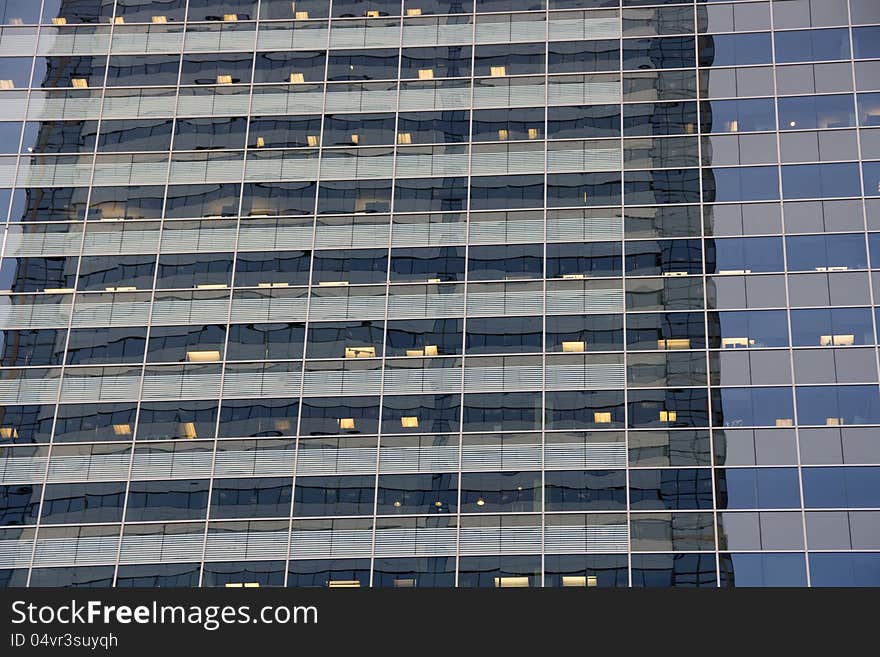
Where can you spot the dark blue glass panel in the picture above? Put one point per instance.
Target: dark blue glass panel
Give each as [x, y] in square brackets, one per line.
[810, 252]
[816, 112]
[766, 327]
[757, 488]
[821, 180]
[866, 42]
[334, 496]
[838, 405]
[742, 115]
[260, 497]
[751, 407]
[838, 488]
[845, 569]
[812, 328]
[871, 171]
[672, 489]
[736, 49]
[740, 184]
[811, 45]
[753, 570]
[674, 570]
[753, 254]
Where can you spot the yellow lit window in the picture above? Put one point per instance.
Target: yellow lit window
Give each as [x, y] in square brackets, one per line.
[426, 74]
[355, 139]
[187, 430]
[212, 286]
[273, 284]
[121, 429]
[119, 20]
[159, 19]
[404, 583]
[260, 142]
[360, 352]
[574, 346]
[59, 290]
[344, 584]
[433, 280]
[345, 422]
[301, 15]
[534, 133]
[312, 140]
[224, 79]
[79, 83]
[577, 277]
[731, 272]
[674, 343]
[668, 416]
[675, 273]
[16, 21]
[837, 340]
[733, 126]
[332, 283]
[689, 128]
[124, 288]
[832, 268]
[431, 350]
[202, 356]
[8, 433]
[59, 20]
[511, 582]
[297, 78]
[373, 13]
[784, 422]
[413, 12]
[592, 581]
[580, 580]
[497, 71]
[503, 135]
[736, 343]
[833, 421]
[230, 18]
[242, 585]
[409, 422]
[603, 417]
[404, 138]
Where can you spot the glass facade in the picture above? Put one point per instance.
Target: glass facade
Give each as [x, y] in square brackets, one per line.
[434, 293]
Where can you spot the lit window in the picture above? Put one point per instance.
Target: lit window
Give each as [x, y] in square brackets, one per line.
[534, 133]
[784, 422]
[124, 288]
[79, 83]
[574, 276]
[574, 346]
[332, 283]
[833, 421]
[668, 416]
[119, 20]
[355, 139]
[404, 138]
[187, 430]
[426, 74]
[159, 19]
[404, 583]
[503, 135]
[360, 352]
[224, 79]
[16, 21]
[736, 343]
[832, 268]
[497, 71]
[409, 422]
[282, 425]
[674, 343]
[345, 423]
[414, 12]
[59, 20]
[433, 280]
[731, 272]
[837, 340]
[230, 18]
[8, 433]
[301, 15]
[260, 142]
[202, 356]
[312, 140]
[733, 126]
[344, 584]
[603, 417]
[273, 284]
[580, 580]
[121, 429]
[59, 290]
[212, 286]
[297, 78]
[511, 582]
[372, 13]
[242, 585]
